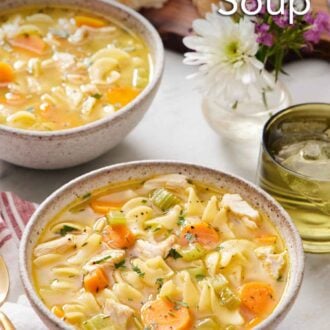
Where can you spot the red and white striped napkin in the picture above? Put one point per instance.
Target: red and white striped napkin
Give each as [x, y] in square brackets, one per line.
[14, 215]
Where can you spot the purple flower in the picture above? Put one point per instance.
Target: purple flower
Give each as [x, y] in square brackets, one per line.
[252, 5]
[319, 24]
[264, 36]
[282, 20]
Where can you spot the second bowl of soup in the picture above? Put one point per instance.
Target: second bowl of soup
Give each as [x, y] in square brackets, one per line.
[161, 245]
[75, 78]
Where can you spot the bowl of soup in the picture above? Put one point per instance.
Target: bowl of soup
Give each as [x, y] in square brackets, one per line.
[75, 78]
[161, 245]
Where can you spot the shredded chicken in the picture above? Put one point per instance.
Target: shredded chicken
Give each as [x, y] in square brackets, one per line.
[272, 262]
[118, 313]
[149, 250]
[106, 258]
[238, 206]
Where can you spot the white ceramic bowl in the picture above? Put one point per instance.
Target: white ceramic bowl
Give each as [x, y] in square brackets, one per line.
[61, 149]
[142, 170]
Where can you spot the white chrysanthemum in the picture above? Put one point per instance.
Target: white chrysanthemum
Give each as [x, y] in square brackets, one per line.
[225, 51]
[138, 4]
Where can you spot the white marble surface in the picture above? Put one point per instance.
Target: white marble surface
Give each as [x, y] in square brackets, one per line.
[174, 128]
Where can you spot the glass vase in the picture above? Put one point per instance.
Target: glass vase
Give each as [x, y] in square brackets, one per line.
[244, 121]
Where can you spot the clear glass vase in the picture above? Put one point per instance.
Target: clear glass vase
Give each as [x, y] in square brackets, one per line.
[244, 121]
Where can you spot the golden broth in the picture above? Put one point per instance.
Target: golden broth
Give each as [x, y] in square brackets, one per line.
[200, 257]
[62, 68]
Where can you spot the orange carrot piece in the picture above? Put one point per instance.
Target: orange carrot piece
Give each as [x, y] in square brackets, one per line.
[6, 73]
[90, 21]
[118, 237]
[202, 233]
[258, 297]
[104, 207]
[58, 311]
[266, 239]
[96, 280]
[30, 42]
[163, 314]
[122, 95]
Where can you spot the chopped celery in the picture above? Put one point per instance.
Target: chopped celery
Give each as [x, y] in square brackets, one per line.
[116, 218]
[164, 199]
[207, 324]
[192, 252]
[228, 298]
[99, 322]
[218, 282]
[197, 272]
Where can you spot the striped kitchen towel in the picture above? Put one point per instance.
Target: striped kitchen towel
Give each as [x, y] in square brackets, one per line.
[14, 215]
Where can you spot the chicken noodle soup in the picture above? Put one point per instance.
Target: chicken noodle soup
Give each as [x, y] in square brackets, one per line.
[162, 254]
[64, 68]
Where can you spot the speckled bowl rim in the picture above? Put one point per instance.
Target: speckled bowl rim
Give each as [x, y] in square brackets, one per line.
[151, 166]
[158, 67]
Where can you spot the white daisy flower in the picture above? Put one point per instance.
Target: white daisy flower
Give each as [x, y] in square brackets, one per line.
[225, 52]
[138, 4]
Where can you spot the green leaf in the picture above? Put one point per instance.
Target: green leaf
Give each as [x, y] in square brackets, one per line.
[137, 270]
[66, 229]
[174, 254]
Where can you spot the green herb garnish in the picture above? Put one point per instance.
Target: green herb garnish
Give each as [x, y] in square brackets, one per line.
[66, 229]
[120, 264]
[137, 270]
[159, 282]
[87, 195]
[97, 96]
[101, 260]
[199, 277]
[174, 254]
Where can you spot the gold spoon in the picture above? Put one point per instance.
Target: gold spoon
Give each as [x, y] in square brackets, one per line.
[4, 289]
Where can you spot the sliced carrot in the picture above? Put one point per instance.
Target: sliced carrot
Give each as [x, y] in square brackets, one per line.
[6, 73]
[202, 233]
[58, 311]
[89, 21]
[30, 42]
[163, 314]
[266, 239]
[258, 297]
[122, 95]
[103, 207]
[96, 281]
[118, 237]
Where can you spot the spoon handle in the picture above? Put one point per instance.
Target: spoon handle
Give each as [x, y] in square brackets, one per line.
[5, 322]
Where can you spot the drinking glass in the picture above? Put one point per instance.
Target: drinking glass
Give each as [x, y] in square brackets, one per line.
[294, 167]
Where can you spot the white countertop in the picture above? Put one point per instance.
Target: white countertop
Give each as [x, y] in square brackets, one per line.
[174, 128]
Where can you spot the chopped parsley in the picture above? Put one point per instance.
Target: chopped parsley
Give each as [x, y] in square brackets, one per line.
[120, 264]
[138, 271]
[199, 277]
[87, 195]
[174, 254]
[66, 229]
[102, 260]
[97, 96]
[189, 237]
[159, 282]
[181, 220]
